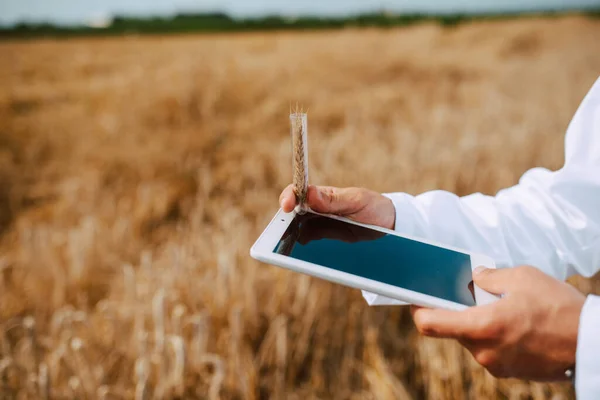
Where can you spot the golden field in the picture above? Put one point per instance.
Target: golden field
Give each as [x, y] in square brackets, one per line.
[136, 172]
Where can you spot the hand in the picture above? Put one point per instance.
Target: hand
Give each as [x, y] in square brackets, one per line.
[360, 205]
[531, 333]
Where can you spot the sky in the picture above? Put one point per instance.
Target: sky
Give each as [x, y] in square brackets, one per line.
[81, 11]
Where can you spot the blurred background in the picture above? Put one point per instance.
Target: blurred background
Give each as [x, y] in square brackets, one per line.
[143, 146]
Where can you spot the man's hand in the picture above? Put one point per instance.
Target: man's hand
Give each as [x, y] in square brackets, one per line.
[360, 205]
[531, 333]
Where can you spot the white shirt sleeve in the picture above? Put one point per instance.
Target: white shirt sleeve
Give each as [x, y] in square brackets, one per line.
[550, 220]
[587, 370]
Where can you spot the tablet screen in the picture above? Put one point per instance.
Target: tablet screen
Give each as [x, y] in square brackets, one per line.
[379, 256]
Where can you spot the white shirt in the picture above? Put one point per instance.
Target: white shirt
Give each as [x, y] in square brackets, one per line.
[550, 220]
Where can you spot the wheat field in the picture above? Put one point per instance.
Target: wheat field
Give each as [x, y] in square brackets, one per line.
[136, 172]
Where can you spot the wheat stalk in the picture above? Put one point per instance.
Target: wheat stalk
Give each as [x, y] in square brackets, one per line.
[142, 367]
[29, 325]
[81, 367]
[300, 158]
[103, 392]
[158, 309]
[176, 379]
[74, 387]
[44, 382]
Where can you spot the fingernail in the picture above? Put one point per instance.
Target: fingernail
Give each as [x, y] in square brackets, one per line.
[478, 270]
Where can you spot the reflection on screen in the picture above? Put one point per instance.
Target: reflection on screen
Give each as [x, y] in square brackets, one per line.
[379, 256]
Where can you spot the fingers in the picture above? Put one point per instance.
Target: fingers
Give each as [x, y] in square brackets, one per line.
[287, 199]
[414, 309]
[475, 323]
[437, 323]
[461, 325]
[324, 199]
[332, 200]
[496, 281]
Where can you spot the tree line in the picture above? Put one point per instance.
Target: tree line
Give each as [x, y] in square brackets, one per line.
[220, 22]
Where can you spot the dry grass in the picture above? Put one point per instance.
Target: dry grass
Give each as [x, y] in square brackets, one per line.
[135, 174]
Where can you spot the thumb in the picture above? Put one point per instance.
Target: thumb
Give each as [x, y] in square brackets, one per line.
[496, 281]
[332, 200]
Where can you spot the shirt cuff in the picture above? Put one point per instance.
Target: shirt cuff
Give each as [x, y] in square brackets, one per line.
[587, 369]
[405, 212]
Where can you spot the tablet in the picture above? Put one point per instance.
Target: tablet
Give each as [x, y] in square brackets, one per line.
[373, 259]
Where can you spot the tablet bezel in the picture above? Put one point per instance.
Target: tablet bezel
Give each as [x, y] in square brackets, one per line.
[263, 250]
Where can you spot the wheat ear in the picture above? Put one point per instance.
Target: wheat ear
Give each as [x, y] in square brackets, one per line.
[298, 121]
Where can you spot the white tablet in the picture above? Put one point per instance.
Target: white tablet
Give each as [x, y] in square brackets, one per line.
[373, 259]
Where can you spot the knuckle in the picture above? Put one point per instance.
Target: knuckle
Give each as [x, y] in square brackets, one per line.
[328, 194]
[333, 196]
